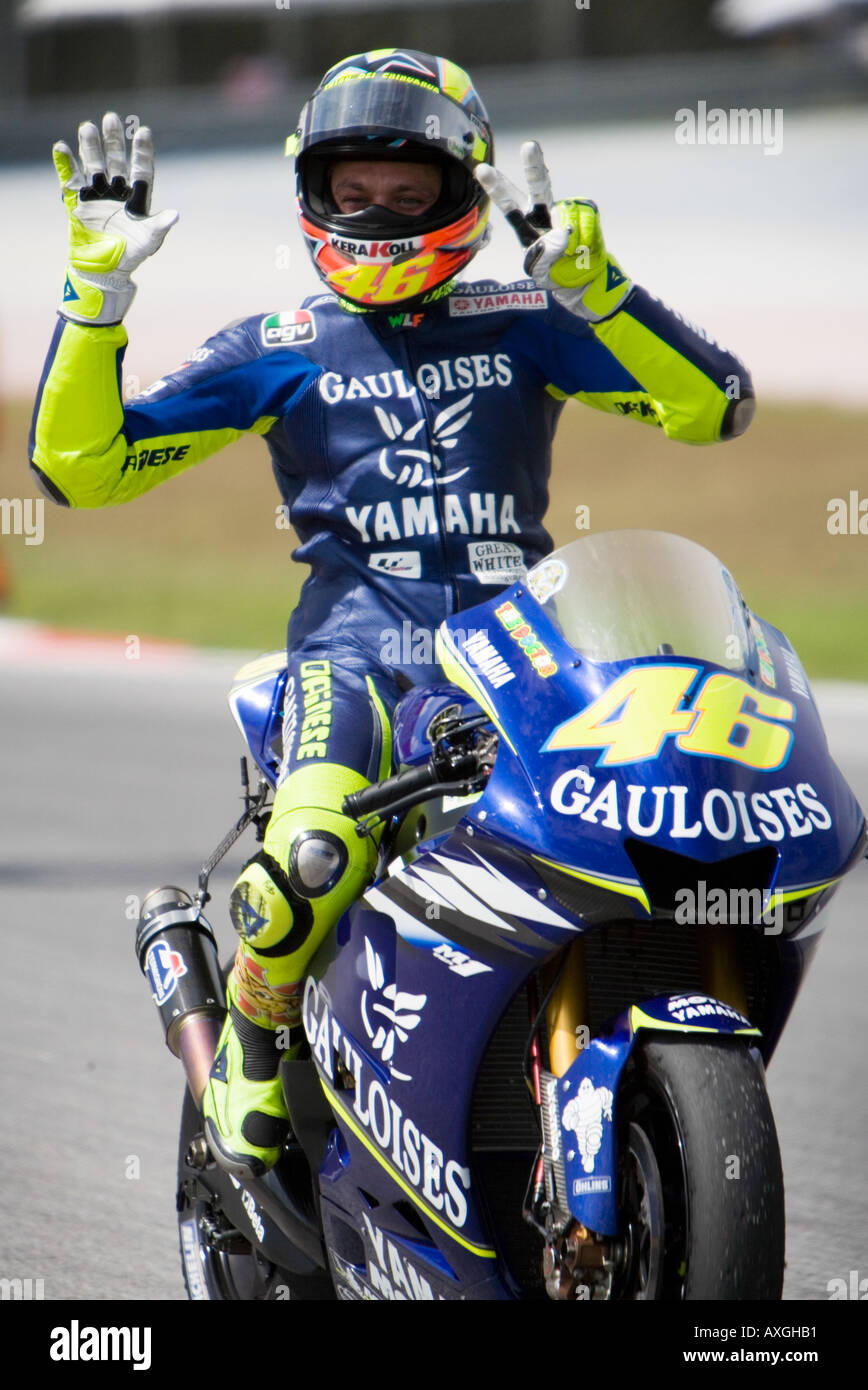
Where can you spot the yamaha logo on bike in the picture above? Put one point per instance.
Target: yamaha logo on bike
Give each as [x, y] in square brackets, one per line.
[164, 968]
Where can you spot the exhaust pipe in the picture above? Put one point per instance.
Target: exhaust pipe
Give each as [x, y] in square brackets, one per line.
[178, 955]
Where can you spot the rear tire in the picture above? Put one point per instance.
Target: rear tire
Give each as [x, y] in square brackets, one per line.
[215, 1265]
[704, 1215]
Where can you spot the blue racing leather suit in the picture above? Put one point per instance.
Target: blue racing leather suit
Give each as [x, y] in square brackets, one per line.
[412, 452]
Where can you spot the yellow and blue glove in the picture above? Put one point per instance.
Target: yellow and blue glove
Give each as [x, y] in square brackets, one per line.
[111, 227]
[566, 252]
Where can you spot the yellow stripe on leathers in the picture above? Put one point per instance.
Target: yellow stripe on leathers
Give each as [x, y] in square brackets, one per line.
[675, 394]
[689, 404]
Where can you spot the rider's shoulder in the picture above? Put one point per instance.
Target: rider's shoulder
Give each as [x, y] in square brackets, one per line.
[277, 328]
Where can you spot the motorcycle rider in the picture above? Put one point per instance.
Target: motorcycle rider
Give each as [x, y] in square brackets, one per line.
[409, 420]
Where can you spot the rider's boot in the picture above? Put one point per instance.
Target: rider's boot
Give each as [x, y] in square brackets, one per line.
[312, 866]
[246, 1123]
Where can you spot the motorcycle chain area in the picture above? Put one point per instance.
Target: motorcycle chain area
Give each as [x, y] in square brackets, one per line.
[220, 1258]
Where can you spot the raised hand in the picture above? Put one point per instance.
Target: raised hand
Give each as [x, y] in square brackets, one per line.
[111, 228]
[566, 253]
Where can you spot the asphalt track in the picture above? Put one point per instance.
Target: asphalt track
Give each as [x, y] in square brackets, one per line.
[119, 775]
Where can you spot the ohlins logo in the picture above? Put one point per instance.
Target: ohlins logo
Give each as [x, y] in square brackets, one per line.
[442, 1181]
[433, 379]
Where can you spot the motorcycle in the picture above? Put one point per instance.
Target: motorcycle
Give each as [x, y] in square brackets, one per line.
[536, 1045]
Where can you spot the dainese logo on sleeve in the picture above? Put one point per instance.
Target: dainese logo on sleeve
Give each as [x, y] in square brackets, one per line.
[288, 329]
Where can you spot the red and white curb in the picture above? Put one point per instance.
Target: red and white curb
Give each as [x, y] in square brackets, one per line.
[29, 645]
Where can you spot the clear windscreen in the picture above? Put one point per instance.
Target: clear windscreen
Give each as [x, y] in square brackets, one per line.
[627, 594]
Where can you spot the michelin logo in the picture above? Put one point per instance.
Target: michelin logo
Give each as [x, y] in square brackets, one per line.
[584, 1115]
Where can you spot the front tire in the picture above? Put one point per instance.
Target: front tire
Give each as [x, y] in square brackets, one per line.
[702, 1190]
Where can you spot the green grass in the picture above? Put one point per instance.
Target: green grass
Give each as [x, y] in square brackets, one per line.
[201, 559]
[832, 642]
[188, 598]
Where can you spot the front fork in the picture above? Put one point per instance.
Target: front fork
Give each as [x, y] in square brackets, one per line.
[721, 973]
[567, 1012]
[577, 1261]
[721, 966]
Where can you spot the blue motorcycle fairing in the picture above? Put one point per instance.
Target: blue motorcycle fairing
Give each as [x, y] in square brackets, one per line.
[402, 984]
[256, 702]
[372, 1016]
[482, 891]
[377, 1008]
[398, 1121]
[416, 713]
[570, 808]
[388, 1265]
[464, 928]
[403, 1002]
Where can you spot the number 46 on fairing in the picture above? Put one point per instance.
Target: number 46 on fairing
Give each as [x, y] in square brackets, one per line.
[642, 708]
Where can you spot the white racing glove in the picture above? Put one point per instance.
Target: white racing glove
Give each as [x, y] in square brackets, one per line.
[111, 228]
[566, 252]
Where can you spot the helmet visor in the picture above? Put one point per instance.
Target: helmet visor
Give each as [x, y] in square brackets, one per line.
[377, 107]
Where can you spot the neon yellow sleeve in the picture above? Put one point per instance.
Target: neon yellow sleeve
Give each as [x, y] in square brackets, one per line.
[89, 449]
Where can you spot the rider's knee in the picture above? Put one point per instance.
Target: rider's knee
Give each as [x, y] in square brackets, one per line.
[310, 869]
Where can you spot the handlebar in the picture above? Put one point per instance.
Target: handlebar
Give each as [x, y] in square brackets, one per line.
[382, 794]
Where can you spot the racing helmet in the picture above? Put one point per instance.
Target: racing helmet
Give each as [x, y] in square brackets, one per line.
[401, 105]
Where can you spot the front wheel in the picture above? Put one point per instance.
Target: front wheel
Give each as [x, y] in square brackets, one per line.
[701, 1185]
